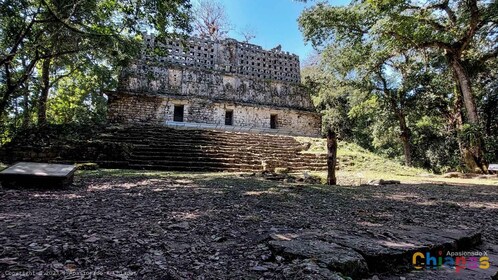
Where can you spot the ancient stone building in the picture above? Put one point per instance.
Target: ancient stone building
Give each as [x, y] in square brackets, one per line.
[215, 84]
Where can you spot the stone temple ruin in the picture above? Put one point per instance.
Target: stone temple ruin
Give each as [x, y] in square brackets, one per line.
[222, 84]
[203, 86]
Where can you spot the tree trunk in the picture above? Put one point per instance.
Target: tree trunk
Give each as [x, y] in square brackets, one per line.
[466, 89]
[26, 117]
[405, 138]
[331, 157]
[9, 90]
[472, 154]
[405, 134]
[45, 87]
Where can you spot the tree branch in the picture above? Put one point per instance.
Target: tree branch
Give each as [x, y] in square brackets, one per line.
[19, 39]
[62, 76]
[70, 27]
[474, 24]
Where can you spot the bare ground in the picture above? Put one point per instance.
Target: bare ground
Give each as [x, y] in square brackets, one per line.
[205, 226]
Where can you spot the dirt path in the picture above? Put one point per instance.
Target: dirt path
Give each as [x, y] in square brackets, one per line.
[205, 227]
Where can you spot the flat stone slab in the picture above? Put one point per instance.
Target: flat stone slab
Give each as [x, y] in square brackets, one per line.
[35, 175]
[357, 254]
[333, 256]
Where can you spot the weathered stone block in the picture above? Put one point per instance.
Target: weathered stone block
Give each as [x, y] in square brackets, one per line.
[334, 256]
[37, 175]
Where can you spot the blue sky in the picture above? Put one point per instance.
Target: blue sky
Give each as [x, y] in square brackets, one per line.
[275, 22]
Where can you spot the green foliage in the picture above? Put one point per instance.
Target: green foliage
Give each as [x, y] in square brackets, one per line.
[390, 80]
[469, 134]
[353, 158]
[438, 147]
[78, 99]
[57, 58]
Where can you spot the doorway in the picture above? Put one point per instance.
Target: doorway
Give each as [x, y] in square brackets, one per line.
[228, 117]
[273, 121]
[178, 113]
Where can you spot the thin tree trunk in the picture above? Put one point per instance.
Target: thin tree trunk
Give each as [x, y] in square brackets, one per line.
[42, 101]
[331, 156]
[405, 131]
[26, 118]
[405, 134]
[9, 89]
[405, 138]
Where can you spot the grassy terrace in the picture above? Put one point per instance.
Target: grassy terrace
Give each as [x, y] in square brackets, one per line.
[358, 165]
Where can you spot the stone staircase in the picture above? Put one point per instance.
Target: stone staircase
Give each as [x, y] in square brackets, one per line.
[164, 148]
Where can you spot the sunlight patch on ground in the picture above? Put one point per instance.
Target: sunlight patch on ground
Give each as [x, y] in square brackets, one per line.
[426, 203]
[186, 215]
[354, 179]
[344, 177]
[58, 196]
[402, 197]
[258, 193]
[487, 205]
[391, 244]
[370, 224]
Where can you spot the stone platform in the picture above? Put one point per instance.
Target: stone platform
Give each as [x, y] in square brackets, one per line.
[37, 175]
[360, 256]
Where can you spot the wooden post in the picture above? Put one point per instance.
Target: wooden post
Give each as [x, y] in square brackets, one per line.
[331, 156]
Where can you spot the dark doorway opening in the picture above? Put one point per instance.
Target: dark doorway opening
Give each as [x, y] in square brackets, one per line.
[178, 113]
[228, 117]
[273, 121]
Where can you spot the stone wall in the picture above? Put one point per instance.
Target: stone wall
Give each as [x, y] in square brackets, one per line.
[224, 70]
[228, 57]
[133, 108]
[193, 83]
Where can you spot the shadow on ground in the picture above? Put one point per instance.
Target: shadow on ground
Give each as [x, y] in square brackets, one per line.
[184, 226]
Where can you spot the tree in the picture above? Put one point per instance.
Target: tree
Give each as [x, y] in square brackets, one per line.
[331, 156]
[210, 20]
[248, 33]
[43, 41]
[460, 31]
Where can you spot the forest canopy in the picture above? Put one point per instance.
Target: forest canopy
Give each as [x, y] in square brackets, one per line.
[411, 79]
[57, 57]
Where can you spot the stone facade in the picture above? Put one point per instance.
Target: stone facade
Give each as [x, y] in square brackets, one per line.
[153, 109]
[211, 79]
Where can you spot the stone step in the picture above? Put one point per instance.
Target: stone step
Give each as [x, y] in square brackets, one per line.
[187, 162]
[197, 136]
[163, 150]
[193, 163]
[228, 157]
[204, 168]
[195, 143]
[159, 130]
[191, 168]
[257, 159]
[199, 132]
[216, 138]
